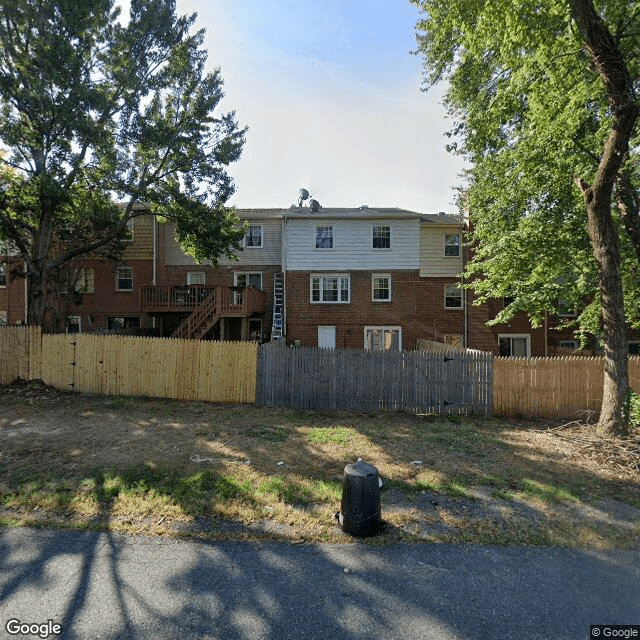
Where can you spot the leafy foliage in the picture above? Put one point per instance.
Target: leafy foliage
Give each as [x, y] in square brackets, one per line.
[530, 112]
[94, 109]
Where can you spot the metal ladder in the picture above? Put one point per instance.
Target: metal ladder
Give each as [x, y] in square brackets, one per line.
[277, 326]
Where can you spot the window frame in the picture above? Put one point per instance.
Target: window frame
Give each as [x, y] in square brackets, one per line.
[4, 318]
[119, 278]
[333, 236]
[321, 277]
[574, 344]
[373, 237]
[457, 245]
[526, 336]
[247, 235]
[446, 295]
[3, 276]
[382, 328]
[196, 273]
[373, 287]
[246, 274]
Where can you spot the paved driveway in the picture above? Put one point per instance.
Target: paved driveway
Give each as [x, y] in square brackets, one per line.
[100, 585]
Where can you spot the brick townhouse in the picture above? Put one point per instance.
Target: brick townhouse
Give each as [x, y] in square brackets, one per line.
[333, 277]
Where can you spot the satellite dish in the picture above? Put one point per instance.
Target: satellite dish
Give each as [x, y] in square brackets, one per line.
[314, 205]
[304, 194]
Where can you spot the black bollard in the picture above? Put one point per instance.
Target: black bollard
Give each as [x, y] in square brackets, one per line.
[360, 507]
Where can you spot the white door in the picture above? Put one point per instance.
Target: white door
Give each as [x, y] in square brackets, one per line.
[327, 337]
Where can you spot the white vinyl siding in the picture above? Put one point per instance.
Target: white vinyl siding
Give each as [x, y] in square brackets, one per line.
[353, 245]
[433, 261]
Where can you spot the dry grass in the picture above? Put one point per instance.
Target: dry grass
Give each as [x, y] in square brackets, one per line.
[220, 471]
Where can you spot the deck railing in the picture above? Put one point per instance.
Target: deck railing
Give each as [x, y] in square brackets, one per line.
[231, 301]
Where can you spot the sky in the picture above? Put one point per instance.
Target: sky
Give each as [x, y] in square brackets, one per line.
[332, 97]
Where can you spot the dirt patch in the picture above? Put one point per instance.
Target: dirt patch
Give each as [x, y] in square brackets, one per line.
[221, 471]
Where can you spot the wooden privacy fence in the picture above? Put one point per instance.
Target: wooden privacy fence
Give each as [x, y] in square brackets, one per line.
[419, 382]
[552, 387]
[307, 378]
[123, 365]
[20, 353]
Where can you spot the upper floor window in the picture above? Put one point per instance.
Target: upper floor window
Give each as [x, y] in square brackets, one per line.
[324, 237]
[381, 236]
[128, 234]
[330, 289]
[452, 296]
[254, 236]
[381, 287]
[451, 244]
[3, 318]
[3, 276]
[124, 279]
[86, 281]
[195, 277]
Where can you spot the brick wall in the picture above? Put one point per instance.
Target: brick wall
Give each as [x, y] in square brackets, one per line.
[12, 296]
[106, 301]
[417, 305]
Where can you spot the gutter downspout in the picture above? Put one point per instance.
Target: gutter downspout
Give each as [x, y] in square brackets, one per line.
[153, 280]
[465, 343]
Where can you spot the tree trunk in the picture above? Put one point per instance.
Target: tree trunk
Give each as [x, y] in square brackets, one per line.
[614, 413]
[609, 63]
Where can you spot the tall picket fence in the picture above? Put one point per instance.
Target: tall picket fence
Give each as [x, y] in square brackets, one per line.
[20, 353]
[125, 365]
[552, 387]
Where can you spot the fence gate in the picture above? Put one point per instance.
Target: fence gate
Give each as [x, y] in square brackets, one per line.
[416, 381]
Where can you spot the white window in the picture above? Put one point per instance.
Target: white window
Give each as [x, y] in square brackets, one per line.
[246, 279]
[568, 344]
[331, 288]
[383, 338]
[3, 276]
[324, 237]
[452, 244]
[74, 324]
[85, 282]
[195, 277]
[3, 318]
[381, 287]
[517, 345]
[124, 279]
[381, 236]
[452, 296]
[253, 239]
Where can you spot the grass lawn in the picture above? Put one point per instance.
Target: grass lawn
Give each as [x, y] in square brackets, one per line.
[240, 471]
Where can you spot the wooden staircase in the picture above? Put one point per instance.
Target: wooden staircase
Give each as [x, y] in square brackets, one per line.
[221, 302]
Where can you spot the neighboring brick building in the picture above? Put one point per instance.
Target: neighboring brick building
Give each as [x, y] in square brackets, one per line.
[351, 278]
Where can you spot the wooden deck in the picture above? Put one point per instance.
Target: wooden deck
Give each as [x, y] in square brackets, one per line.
[231, 302]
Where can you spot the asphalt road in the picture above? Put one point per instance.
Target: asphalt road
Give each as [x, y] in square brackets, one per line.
[101, 585]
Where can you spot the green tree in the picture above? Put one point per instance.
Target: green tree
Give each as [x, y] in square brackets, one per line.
[543, 97]
[96, 110]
